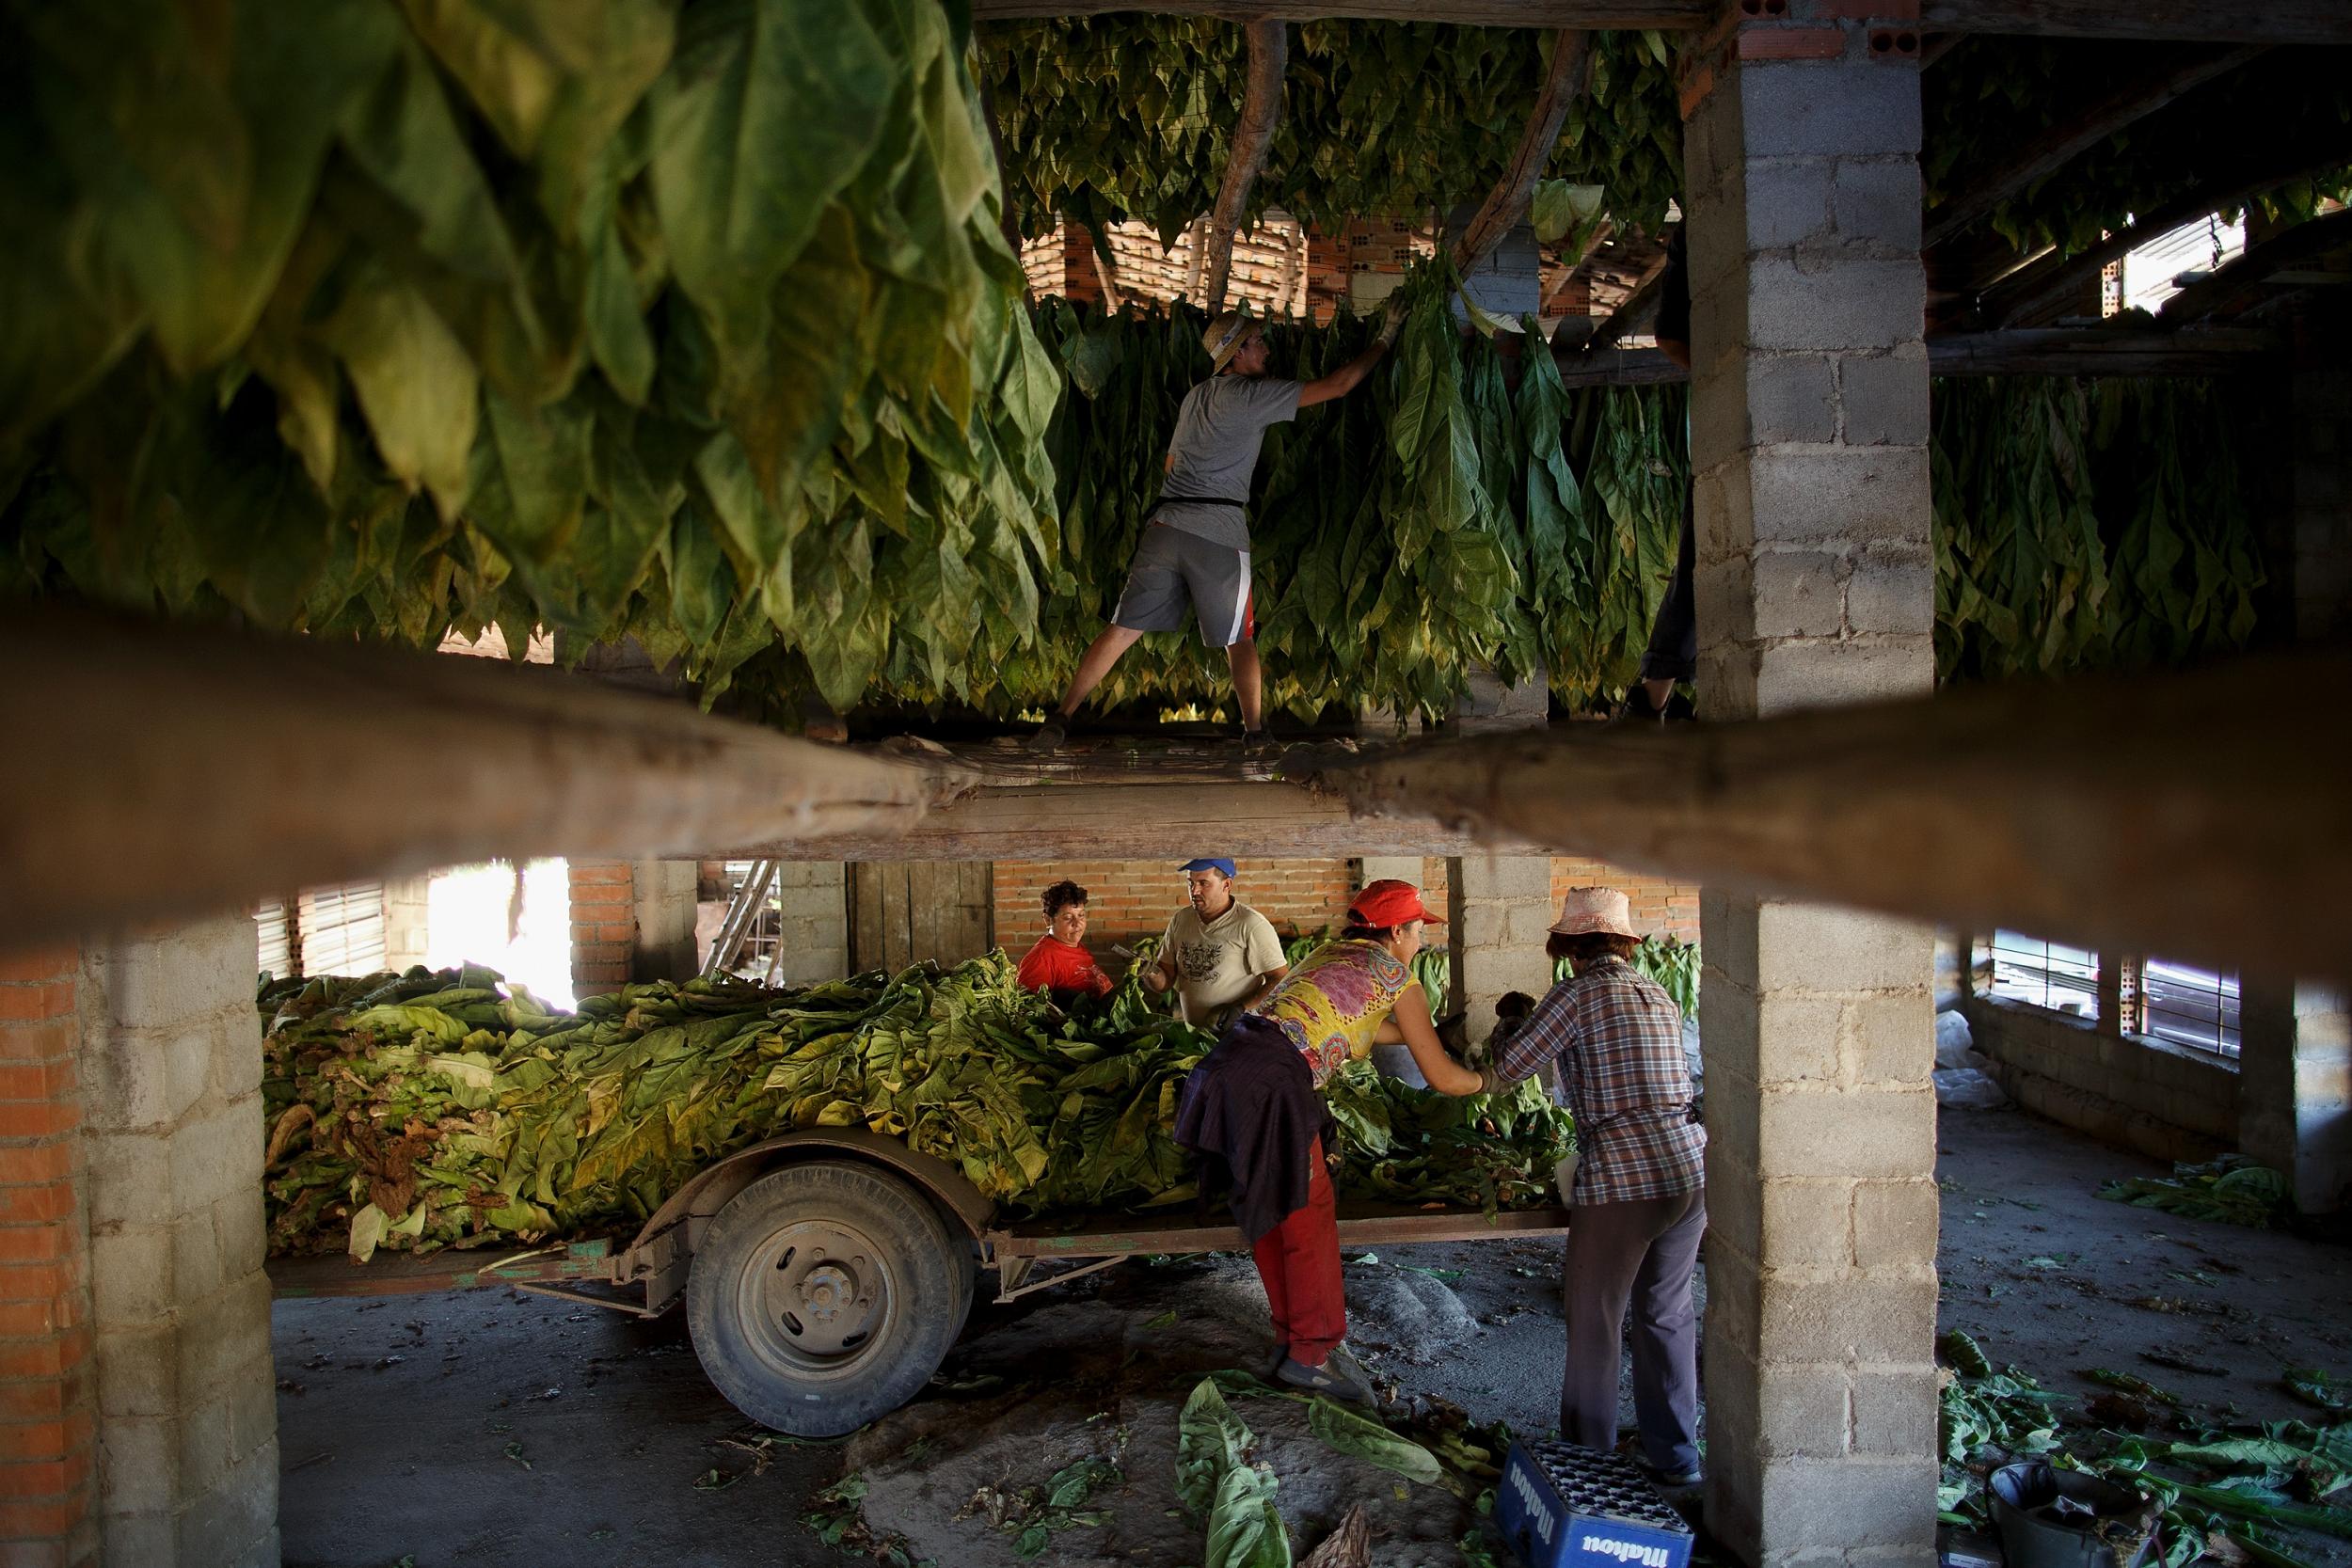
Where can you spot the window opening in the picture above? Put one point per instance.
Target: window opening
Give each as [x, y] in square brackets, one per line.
[2184, 1005]
[2041, 973]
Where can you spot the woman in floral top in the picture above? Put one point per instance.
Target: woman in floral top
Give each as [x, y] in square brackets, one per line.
[1338, 1002]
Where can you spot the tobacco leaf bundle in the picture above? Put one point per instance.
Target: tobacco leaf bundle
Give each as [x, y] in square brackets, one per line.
[438, 1109]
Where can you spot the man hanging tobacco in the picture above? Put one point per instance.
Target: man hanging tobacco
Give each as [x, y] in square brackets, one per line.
[1195, 553]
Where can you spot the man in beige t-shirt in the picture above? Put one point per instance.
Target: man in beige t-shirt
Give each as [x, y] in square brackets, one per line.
[1220, 954]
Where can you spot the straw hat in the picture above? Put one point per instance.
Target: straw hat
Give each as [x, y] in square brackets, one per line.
[1595, 910]
[1226, 336]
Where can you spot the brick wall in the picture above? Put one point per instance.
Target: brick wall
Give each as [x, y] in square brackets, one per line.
[48, 1406]
[1126, 899]
[1659, 905]
[604, 925]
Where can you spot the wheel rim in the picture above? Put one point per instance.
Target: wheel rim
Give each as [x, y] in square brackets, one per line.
[816, 1298]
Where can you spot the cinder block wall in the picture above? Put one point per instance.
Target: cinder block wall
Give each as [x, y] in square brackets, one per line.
[2143, 1095]
[813, 899]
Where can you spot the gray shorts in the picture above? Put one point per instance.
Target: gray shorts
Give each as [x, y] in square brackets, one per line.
[1175, 571]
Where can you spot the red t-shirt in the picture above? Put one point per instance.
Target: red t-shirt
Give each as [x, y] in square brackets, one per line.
[1057, 965]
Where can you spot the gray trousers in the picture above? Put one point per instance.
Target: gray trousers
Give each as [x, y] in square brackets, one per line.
[1641, 1252]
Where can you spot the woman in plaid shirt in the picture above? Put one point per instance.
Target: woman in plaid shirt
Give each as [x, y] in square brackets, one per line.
[1638, 1207]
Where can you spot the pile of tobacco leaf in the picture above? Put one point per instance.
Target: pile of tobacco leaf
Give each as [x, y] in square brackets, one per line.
[2232, 1190]
[429, 1109]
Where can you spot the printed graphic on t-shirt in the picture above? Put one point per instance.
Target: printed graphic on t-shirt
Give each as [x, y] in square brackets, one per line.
[1197, 961]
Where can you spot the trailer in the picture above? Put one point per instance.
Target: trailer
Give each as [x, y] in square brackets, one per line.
[826, 1272]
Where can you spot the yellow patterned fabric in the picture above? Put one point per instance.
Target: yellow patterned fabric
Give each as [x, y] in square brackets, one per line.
[1334, 1001]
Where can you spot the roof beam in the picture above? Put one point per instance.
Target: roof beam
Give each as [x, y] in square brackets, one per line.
[2249, 272]
[1507, 204]
[2025, 351]
[2047, 154]
[2080, 810]
[2303, 22]
[1260, 111]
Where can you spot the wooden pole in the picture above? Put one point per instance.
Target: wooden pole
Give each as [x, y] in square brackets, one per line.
[1260, 111]
[2086, 811]
[2097, 122]
[1620, 321]
[1506, 205]
[170, 770]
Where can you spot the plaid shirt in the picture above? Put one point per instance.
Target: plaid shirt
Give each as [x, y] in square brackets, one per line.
[1619, 1038]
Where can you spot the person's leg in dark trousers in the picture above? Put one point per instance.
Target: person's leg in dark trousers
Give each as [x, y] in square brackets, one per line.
[1666, 1343]
[1607, 1243]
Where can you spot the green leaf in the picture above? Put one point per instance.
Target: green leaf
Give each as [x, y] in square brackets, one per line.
[414, 384]
[1360, 1437]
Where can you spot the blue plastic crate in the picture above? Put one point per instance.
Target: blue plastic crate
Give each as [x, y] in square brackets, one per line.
[1561, 1505]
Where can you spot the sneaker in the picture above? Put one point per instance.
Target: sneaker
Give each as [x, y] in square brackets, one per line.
[1258, 743]
[1636, 709]
[1329, 1379]
[1274, 1367]
[1050, 735]
[1672, 1480]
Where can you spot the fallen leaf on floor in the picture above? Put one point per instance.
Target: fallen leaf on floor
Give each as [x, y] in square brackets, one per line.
[1165, 1320]
[515, 1452]
[2180, 1363]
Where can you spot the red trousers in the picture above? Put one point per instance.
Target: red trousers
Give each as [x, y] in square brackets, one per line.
[1299, 1262]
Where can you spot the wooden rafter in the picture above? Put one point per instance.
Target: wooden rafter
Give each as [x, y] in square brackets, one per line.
[2092, 351]
[2253, 269]
[1505, 206]
[2041, 292]
[2296, 22]
[150, 796]
[2080, 810]
[2283, 21]
[2094, 123]
[1621, 320]
[1260, 111]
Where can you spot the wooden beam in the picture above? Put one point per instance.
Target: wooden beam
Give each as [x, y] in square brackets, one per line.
[2094, 123]
[1587, 14]
[2251, 271]
[1126, 821]
[2084, 810]
[1260, 111]
[161, 771]
[2294, 21]
[1621, 320]
[2041, 292]
[2021, 351]
[1505, 206]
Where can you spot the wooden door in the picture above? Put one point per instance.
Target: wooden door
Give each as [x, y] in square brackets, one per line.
[904, 912]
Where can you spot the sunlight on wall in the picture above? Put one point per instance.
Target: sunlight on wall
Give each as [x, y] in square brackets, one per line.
[474, 914]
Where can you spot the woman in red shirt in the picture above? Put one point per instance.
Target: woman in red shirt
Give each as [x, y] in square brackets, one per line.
[1060, 963]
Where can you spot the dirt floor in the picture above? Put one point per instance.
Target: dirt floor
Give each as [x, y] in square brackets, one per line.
[497, 1428]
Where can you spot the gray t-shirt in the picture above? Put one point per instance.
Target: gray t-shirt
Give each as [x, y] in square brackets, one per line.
[1219, 430]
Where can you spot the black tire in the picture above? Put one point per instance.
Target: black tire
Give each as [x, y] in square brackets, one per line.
[826, 1295]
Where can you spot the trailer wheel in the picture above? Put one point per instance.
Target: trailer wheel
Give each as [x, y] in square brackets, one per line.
[826, 1295]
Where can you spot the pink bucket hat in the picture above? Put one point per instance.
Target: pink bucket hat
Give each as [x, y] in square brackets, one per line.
[1595, 910]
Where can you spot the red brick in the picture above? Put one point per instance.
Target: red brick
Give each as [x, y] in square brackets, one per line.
[35, 1165]
[34, 1204]
[41, 1399]
[51, 1355]
[38, 1440]
[37, 1243]
[23, 1319]
[65, 1553]
[45, 999]
[590, 872]
[38, 963]
[46, 1478]
[600, 896]
[38, 1118]
[1792, 44]
[1867, 10]
[36, 1081]
[44, 1281]
[43, 1516]
[49, 1040]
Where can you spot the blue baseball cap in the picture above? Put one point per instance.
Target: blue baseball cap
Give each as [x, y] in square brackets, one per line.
[1209, 862]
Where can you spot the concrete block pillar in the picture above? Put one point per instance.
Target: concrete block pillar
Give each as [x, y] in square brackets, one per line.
[1500, 908]
[813, 906]
[48, 1387]
[2295, 1088]
[664, 906]
[172, 1143]
[1815, 586]
[407, 921]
